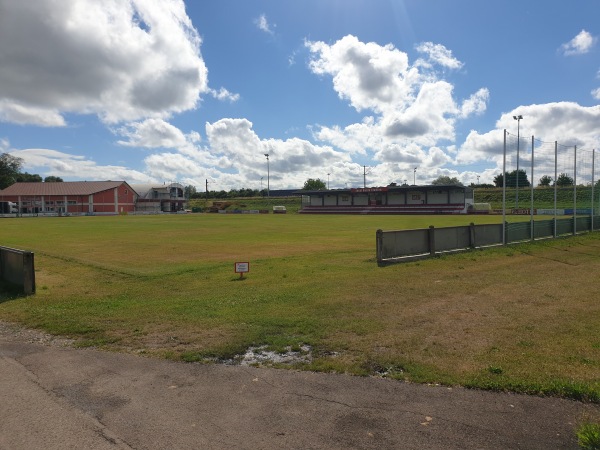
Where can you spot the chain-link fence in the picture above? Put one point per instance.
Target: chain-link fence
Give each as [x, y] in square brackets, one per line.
[549, 179]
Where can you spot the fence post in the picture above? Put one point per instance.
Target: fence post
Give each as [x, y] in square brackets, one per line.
[28, 274]
[379, 245]
[472, 243]
[431, 240]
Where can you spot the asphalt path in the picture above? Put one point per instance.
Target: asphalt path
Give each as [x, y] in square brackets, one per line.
[53, 396]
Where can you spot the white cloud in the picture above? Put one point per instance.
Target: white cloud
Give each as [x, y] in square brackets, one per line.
[224, 94]
[580, 44]
[120, 59]
[438, 54]
[51, 162]
[596, 93]
[263, 24]
[153, 133]
[25, 115]
[565, 122]
[369, 75]
[476, 104]
[414, 108]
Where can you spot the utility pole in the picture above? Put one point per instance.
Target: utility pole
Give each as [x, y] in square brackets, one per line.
[364, 176]
[207, 189]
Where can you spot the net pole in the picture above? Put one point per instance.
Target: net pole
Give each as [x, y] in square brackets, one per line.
[555, 184]
[593, 182]
[531, 210]
[504, 192]
[575, 190]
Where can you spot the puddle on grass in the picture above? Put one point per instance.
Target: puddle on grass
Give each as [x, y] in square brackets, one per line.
[261, 356]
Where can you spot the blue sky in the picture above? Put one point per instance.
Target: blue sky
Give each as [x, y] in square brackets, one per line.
[161, 91]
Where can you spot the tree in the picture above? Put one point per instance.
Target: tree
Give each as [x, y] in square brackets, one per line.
[314, 185]
[545, 181]
[499, 180]
[564, 180]
[28, 178]
[53, 179]
[446, 181]
[511, 179]
[189, 191]
[10, 166]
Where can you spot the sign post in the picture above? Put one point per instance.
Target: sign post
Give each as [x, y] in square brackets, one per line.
[242, 268]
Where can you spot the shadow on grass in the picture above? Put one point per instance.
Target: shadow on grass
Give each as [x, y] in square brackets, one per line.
[9, 292]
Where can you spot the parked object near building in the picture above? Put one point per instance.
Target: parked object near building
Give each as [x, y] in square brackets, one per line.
[8, 208]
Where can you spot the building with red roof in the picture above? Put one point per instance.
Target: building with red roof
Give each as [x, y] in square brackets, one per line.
[71, 197]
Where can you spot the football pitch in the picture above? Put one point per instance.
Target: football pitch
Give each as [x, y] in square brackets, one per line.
[522, 318]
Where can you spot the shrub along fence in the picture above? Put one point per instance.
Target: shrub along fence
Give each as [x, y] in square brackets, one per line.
[16, 267]
[410, 245]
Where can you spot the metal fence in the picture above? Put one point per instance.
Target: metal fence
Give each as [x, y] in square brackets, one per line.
[410, 245]
[17, 267]
[548, 178]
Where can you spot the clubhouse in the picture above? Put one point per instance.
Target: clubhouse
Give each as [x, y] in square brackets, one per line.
[431, 199]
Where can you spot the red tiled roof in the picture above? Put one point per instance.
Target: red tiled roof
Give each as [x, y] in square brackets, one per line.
[61, 188]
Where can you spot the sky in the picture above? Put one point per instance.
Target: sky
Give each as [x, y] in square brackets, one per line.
[353, 92]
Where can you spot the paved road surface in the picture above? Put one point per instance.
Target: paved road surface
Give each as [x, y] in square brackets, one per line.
[56, 397]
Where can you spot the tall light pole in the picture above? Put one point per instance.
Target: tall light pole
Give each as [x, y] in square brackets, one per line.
[268, 176]
[518, 119]
[261, 178]
[415, 177]
[477, 179]
[328, 181]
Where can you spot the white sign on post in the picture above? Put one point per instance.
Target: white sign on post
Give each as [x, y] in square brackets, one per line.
[242, 268]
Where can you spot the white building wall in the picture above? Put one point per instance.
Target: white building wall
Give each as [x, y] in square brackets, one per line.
[345, 200]
[457, 196]
[395, 198]
[415, 198]
[315, 200]
[361, 200]
[437, 197]
[330, 200]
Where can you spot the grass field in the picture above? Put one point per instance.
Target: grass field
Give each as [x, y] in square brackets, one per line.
[523, 318]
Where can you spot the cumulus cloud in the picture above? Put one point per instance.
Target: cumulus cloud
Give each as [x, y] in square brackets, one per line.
[52, 162]
[224, 94]
[369, 75]
[153, 133]
[123, 60]
[580, 44]
[413, 106]
[567, 123]
[438, 54]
